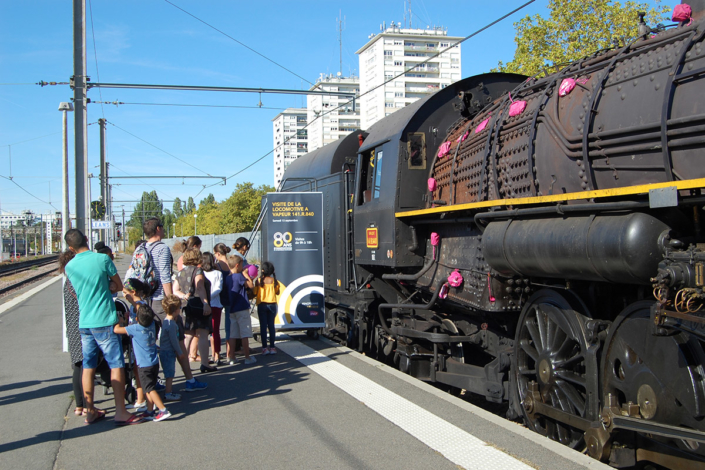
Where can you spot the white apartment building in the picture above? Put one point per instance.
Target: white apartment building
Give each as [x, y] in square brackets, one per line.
[327, 123]
[289, 124]
[395, 50]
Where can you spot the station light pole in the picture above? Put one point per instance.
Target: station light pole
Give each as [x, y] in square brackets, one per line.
[173, 231]
[65, 107]
[195, 218]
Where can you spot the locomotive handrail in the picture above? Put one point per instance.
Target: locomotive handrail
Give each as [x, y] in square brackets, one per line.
[427, 306]
[410, 277]
[560, 209]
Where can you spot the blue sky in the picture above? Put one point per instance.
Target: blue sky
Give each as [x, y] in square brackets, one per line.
[151, 41]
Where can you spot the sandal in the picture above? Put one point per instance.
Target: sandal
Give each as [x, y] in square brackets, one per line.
[134, 419]
[79, 411]
[99, 415]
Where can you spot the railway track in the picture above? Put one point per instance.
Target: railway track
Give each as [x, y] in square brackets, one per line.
[17, 268]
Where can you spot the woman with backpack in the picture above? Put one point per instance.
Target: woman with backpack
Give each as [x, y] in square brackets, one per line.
[192, 286]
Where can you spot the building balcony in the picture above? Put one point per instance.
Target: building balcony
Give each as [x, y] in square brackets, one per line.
[409, 47]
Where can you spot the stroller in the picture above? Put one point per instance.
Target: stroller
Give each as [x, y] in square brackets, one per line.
[123, 311]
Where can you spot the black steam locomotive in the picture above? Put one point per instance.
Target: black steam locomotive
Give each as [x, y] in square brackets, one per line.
[537, 241]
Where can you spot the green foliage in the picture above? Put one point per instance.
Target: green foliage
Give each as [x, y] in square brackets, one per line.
[210, 199]
[177, 209]
[190, 205]
[149, 206]
[575, 29]
[238, 213]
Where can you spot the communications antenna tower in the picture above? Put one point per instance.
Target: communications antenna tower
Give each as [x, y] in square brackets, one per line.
[340, 26]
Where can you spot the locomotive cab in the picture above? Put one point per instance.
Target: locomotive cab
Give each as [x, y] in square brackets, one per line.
[394, 163]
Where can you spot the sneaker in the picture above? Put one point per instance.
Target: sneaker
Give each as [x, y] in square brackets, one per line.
[161, 415]
[138, 407]
[272, 351]
[232, 362]
[159, 387]
[172, 397]
[265, 352]
[250, 360]
[147, 415]
[195, 386]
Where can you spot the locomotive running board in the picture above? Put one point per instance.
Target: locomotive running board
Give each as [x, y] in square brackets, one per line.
[600, 193]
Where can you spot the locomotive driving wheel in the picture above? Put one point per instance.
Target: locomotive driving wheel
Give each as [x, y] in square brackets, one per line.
[664, 375]
[551, 355]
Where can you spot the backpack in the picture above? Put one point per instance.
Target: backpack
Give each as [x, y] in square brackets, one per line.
[142, 268]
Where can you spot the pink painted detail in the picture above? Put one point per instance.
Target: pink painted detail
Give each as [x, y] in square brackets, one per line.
[435, 239]
[489, 287]
[432, 184]
[462, 137]
[443, 149]
[455, 279]
[481, 127]
[444, 291]
[517, 108]
[682, 13]
[566, 87]
[582, 80]
[252, 271]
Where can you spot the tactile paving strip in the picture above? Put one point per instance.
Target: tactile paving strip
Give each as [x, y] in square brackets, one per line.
[456, 445]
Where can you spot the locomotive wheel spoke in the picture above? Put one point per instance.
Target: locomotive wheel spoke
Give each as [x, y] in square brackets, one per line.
[566, 363]
[571, 377]
[572, 395]
[534, 333]
[563, 352]
[529, 349]
[542, 320]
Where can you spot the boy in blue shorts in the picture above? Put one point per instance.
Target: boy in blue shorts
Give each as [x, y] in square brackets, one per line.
[144, 343]
[91, 275]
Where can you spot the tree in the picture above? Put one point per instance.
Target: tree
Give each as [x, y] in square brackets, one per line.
[177, 209]
[149, 206]
[210, 199]
[190, 205]
[575, 29]
[240, 211]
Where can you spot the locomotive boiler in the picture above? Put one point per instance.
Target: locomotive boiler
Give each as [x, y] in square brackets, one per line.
[538, 241]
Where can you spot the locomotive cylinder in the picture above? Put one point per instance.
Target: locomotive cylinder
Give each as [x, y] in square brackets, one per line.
[623, 248]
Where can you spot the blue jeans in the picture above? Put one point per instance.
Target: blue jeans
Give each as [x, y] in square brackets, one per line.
[267, 313]
[226, 310]
[103, 339]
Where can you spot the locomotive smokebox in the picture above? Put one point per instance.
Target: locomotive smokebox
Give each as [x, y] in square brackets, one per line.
[621, 248]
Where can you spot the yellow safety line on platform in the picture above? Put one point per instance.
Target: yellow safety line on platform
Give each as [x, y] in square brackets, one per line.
[625, 191]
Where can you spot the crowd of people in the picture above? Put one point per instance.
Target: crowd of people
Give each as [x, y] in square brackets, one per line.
[174, 316]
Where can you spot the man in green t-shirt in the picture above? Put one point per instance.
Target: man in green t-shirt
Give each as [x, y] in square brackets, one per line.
[91, 275]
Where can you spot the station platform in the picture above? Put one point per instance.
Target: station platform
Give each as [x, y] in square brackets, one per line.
[314, 405]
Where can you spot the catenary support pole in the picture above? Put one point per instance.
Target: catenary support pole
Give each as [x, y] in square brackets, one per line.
[80, 114]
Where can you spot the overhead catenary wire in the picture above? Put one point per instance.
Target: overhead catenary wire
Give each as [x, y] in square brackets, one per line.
[95, 54]
[35, 197]
[321, 115]
[239, 42]
[160, 149]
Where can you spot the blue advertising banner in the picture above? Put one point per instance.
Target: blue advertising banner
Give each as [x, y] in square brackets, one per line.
[295, 247]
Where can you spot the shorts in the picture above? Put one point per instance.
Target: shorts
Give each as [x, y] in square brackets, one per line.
[240, 325]
[168, 360]
[103, 339]
[148, 377]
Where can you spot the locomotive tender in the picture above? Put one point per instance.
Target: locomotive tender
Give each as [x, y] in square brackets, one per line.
[537, 241]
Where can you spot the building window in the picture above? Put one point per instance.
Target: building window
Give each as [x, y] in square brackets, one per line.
[387, 52]
[398, 63]
[398, 94]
